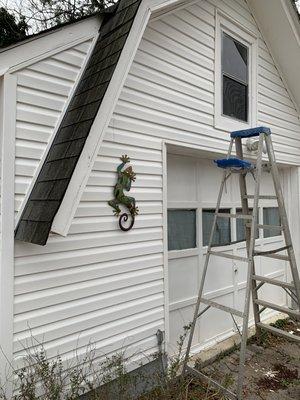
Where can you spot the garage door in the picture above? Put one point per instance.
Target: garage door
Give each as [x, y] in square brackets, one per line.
[193, 185]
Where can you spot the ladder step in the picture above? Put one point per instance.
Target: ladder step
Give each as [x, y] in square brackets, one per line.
[262, 197]
[198, 374]
[279, 332]
[276, 256]
[270, 227]
[222, 307]
[261, 253]
[226, 255]
[239, 216]
[273, 281]
[266, 304]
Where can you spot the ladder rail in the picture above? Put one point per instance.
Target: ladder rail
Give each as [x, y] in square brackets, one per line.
[250, 251]
[245, 209]
[200, 293]
[283, 215]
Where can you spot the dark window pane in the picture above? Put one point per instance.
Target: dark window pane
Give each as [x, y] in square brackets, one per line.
[271, 217]
[240, 227]
[235, 99]
[181, 229]
[222, 235]
[234, 59]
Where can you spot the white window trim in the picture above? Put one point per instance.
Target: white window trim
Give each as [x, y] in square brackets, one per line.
[226, 24]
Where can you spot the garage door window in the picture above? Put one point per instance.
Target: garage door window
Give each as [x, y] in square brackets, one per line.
[271, 217]
[181, 229]
[222, 235]
[240, 227]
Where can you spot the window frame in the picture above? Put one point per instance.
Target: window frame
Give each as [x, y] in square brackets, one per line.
[249, 39]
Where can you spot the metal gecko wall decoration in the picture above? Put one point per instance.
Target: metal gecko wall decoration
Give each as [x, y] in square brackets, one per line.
[124, 181]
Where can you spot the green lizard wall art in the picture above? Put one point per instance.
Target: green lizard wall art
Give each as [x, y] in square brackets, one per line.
[124, 181]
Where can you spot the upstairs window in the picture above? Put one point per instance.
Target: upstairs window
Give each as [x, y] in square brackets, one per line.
[235, 74]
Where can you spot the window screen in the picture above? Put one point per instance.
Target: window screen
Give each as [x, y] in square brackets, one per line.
[222, 235]
[271, 217]
[181, 229]
[234, 78]
[240, 227]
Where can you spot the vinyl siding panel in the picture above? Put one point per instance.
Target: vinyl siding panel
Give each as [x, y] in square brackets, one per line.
[43, 90]
[98, 283]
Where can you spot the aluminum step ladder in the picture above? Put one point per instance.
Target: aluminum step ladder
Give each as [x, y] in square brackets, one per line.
[254, 282]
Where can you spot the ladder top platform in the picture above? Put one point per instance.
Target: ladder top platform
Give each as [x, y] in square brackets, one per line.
[234, 162]
[247, 133]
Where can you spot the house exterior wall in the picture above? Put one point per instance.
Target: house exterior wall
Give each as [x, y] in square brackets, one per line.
[98, 283]
[43, 90]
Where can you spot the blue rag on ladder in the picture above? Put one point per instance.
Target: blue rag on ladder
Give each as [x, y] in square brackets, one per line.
[233, 162]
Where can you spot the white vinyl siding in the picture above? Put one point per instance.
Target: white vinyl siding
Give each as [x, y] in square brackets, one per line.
[98, 283]
[43, 89]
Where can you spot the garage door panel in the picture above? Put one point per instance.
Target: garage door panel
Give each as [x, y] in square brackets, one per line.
[273, 294]
[183, 273]
[241, 275]
[241, 266]
[270, 266]
[241, 296]
[178, 319]
[219, 273]
[216, 322]
[210, 179]
[266, 186]
[181, 179]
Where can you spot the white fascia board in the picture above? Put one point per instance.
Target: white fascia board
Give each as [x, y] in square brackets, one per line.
[65, 214]
[46, 44]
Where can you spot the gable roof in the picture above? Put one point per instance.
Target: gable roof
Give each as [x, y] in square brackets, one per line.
[48, 191]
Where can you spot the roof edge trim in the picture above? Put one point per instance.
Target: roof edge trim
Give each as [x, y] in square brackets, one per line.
[32, 50]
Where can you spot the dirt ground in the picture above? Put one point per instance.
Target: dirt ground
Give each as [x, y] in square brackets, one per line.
[272, 372]
[273, 367]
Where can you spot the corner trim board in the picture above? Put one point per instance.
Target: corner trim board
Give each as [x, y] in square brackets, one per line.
[7, 226]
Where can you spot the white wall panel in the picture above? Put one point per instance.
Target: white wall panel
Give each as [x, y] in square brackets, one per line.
[42, 92]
